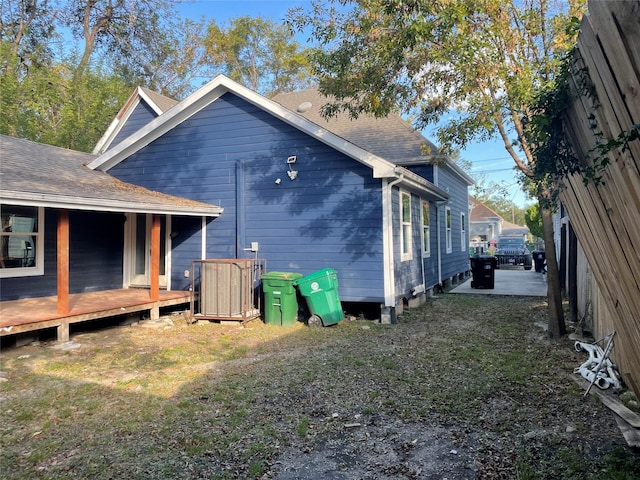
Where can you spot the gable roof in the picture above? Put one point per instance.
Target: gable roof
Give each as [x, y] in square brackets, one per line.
[390, 137]
[221, 85]
[480, 212]
[35, 174]
[157, 102]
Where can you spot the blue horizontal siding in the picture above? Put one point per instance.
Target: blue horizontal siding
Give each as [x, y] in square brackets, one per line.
[95, 257]
[96, 251]
[141, 115]
[408, 273]
[186, 245]
[458, 260]
[230, 154]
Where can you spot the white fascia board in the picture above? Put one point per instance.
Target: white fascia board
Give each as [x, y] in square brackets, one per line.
[419, 185]
[460, 173]
[103, 205]
[211, 92]
[107, 137]
[121, 118]
[142, 94]
[441, 160]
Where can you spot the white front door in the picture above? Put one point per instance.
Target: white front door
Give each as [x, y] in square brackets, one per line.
[138, 261]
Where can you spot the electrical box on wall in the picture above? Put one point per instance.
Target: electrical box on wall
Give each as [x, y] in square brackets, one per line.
[254, 246]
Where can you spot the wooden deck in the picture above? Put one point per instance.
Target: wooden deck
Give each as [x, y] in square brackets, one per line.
[30, 314]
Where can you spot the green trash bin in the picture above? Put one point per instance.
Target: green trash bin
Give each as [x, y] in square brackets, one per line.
[280, 300]
[320, 291]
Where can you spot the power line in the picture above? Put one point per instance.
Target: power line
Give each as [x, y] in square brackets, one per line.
[496, 170]
[491, 160]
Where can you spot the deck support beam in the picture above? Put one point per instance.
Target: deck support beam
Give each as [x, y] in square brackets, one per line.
[62, 255]
[154, 291]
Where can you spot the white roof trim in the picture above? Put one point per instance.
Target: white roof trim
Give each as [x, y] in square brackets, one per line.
[103, 205]
[417, 184]
[208, 94]
[219, 86]
[150, 102]
[121, 118]
[443, 161]
[107, 137]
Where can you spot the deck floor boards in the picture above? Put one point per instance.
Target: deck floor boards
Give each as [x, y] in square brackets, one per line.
[37, 313]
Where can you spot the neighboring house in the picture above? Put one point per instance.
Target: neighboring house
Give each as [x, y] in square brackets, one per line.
[65, 229]
[361, 197]
[486, 225]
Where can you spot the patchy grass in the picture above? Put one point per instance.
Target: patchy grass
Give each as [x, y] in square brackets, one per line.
[222, 402]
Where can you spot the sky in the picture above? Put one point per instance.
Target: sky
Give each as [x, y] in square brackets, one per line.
[489, 159]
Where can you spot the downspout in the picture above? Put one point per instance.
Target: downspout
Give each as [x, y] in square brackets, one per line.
[390, 289]
[203, 238]
[439, 205]
[417, 290]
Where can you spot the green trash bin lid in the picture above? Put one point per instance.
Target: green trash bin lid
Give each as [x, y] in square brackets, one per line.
[281, 276]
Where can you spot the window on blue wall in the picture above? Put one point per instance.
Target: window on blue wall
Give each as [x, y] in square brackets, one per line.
[448, 219]
[21, 241]
[426, 234]
[405, 230]
[463, 230]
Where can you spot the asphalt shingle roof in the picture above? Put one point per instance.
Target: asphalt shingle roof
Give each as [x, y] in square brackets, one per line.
[39, 171]
[390, 137]
[162, 102]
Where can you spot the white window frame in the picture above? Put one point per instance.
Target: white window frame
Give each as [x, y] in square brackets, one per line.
[463, 232]
[38, 269]
[426, 227]
[406, 228]
[447, 224]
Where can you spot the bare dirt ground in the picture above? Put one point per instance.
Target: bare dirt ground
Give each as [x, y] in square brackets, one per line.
[465, 387]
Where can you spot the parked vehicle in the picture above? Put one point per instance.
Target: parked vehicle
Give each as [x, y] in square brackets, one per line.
[513, 251]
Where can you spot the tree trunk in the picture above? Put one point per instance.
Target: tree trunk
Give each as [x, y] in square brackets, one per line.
[556, 326]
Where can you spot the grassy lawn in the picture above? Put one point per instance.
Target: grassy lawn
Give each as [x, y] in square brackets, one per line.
[224, 402]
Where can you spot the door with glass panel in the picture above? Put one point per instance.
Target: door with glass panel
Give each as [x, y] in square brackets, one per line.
[139, 249]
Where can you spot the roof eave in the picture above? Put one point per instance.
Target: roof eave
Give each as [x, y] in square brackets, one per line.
[104, 205]
[413, 182]
[208, 94]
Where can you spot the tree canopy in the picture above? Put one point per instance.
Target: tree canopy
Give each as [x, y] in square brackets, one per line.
[69, 65]
[260, 54]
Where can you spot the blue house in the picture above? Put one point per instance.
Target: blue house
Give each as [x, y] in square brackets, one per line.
[66, 248]
[140, 108]
[370, 198]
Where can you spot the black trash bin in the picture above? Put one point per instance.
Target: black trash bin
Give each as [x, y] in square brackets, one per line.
[539, 258]
[483, 269]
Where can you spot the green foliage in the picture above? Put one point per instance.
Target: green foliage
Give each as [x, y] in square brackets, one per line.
[49, 105]
[555, 156]
[533, 220]
[69, 97]
[260, 54]
[484, 60]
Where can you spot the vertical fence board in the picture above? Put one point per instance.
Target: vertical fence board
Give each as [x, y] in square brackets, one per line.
[606, 216]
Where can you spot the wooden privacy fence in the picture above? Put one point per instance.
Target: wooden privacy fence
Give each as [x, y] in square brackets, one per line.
[606, 217]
